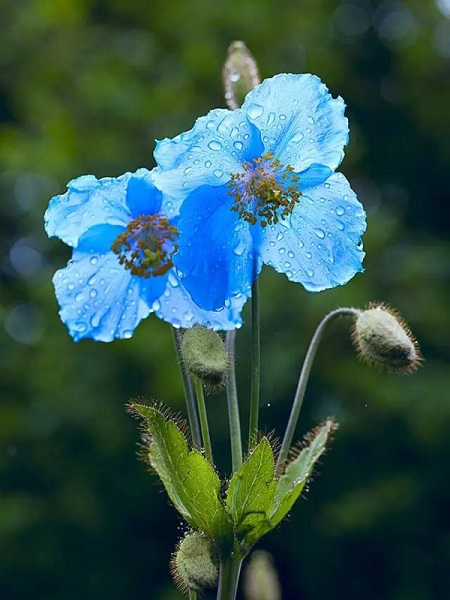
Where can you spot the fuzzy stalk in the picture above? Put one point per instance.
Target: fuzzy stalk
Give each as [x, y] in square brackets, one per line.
[303, 380]
[188, 392]
[203, 419]
[230, 568]
[233, 405]
[256, 365]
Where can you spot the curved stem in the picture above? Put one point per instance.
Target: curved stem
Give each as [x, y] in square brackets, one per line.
[303, 380]
[192, 595]
[203, 419]
[256, 364]
[233, 405]
[188, 392]
[230, 569]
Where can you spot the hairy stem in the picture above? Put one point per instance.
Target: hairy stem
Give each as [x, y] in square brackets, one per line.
[188, 392]
[203, 419]
[233, 405]
[256, 364]
[230, 568]
[303, 380]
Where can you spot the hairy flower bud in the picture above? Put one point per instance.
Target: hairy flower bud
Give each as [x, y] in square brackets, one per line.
[194, 563]
[240, 74]
[383, 339]
[260, 579]
[205, 355]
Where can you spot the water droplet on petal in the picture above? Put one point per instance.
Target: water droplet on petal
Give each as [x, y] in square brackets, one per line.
[215, 145]
[319, 232]
[127, 334]
[281, 250]
[208, 164]
[172, 279]
[308, 254]
[93, 293]
[254, 111]
[218, 173]
[188, 170]
[282, 117]
[238, 145]
[156, 305]
[71, 286]
[340, 211]
[94, 260]
[271, 118]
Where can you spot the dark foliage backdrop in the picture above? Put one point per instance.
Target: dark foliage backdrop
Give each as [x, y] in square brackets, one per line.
[85, 87]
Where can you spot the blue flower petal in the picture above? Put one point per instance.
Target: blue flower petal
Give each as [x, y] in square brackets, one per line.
[207, 154]
[299, 121]
[215, 256]
[90, 201]
[319, 245]
[177, 307]
[142, 197]
[99, 298]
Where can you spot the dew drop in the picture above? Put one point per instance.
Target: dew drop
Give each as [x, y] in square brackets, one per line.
[281, 250]
[271, 118]
[308, 254]
[319, 232]
[93, 293]
[218, 173]
[188, 170]
[71, 286]
[291, 254]
[215, 145]
[287, 264]
[311, 120]
[340, 211]
[127, 334]
[310, 272]
[79, 297]
[238, 145]
[254, 111]
[208, 164]
[282, 117]
[156, 305]
[172, 279]
[94, 260]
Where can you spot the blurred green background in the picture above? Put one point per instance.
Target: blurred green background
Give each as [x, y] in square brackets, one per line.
[85, 87]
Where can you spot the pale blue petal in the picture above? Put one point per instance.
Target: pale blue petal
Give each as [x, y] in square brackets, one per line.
[207, 154]
[90, 201]
[299, 121]
[99, 299]
[319, 246]
[215, 256]
[177, 307]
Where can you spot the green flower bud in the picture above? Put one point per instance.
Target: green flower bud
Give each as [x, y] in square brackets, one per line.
[205, 356]
[194, 564]
[383, 339]
[260, 578]
[240, 74]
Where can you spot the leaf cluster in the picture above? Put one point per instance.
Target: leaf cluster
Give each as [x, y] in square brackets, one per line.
[257, 497]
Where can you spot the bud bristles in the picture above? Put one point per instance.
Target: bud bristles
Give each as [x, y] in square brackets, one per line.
[205, 356]
[194, 564]
[383, 339]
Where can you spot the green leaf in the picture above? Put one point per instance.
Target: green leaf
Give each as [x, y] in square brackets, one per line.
[190, 481]
[297, 473]
[250, 495]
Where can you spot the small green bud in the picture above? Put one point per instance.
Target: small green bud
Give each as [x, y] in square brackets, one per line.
[260, 578]
[194, 563]
[240, 74]
[383, 339]
[205, 356]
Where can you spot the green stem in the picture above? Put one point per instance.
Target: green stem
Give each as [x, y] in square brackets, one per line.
[303, 380]
[230, 569]
[192, 595]
[203, 419]
[256, 364]
[188, 392]
[233, 405]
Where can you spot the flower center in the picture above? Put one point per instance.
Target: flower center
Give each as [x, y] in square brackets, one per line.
[147, 245]
[265, 190]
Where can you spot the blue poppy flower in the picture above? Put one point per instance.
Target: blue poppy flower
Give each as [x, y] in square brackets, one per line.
[257, 185]
[124, 234]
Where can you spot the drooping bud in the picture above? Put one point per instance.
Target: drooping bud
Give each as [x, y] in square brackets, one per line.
[383, 339]
[240, 74]
[260, 578]
[194, 563]
[205, 356]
